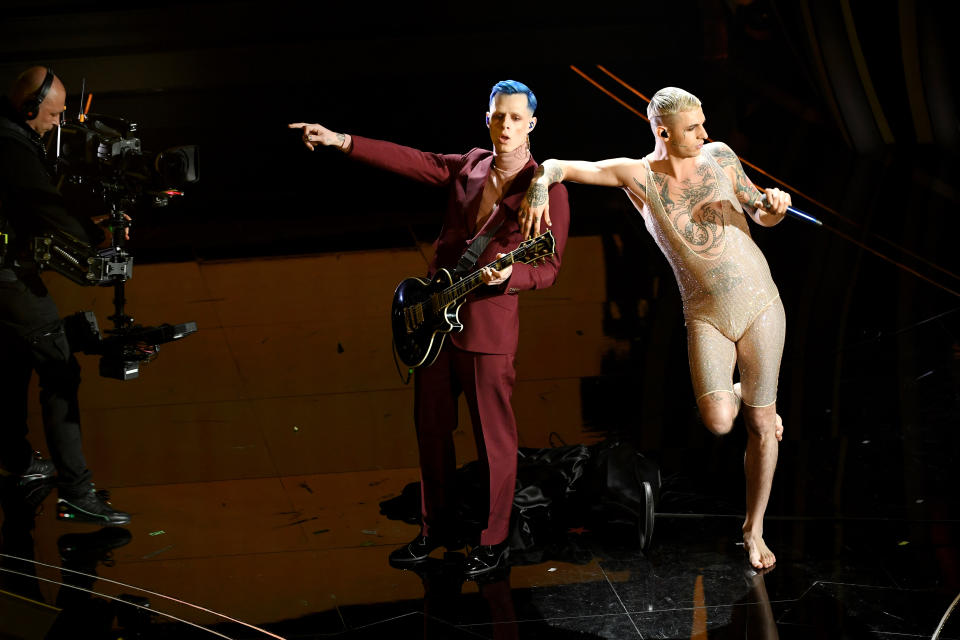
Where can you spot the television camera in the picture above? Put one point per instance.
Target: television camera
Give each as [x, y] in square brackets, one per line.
[101, 165]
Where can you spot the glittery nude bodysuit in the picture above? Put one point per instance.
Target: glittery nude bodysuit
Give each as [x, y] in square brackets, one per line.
[731, 306]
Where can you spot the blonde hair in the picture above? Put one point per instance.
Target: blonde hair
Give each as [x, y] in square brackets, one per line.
[670, 100]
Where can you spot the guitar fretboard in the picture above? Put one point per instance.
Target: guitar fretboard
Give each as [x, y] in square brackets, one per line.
[414, 315]
[464, 286]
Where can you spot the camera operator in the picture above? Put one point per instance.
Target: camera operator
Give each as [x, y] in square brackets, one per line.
[32, 335]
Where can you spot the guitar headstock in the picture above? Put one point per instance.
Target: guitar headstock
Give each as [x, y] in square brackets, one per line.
[536, 249]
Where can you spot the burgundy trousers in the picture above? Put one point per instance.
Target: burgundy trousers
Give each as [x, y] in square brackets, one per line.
[486, 381]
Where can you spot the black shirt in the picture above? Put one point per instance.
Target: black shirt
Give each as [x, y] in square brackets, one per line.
[29, 200]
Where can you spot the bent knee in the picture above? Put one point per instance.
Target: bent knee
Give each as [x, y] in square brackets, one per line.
[766, 428]
[719, 426]
[718, 411]
[760, 421]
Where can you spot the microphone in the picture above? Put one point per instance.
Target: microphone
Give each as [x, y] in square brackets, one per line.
[796, 213]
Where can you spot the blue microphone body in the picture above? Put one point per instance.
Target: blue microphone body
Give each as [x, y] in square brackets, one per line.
[796, 213]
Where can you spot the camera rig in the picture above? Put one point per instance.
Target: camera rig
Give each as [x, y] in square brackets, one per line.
[100, 157]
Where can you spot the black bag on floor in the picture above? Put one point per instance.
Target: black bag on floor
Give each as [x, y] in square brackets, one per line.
[543, 508]
[605, 486]
[608, 484]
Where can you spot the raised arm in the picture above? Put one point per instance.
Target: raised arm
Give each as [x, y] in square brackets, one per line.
[605, 173]
[765, 213]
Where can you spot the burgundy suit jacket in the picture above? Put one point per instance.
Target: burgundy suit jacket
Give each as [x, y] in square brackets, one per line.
[490, 317]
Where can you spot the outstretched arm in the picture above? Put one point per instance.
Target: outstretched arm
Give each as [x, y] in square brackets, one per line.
[430, 168]
[317, 135]
[606, 173]
[765, 213]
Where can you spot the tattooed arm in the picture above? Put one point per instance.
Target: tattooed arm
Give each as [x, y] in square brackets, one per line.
[765, 214]
[315, 134]
[606, 173]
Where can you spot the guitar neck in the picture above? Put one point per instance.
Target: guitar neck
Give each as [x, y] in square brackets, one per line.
[461, 288]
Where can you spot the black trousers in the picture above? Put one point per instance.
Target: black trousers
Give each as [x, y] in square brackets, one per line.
[32, 339]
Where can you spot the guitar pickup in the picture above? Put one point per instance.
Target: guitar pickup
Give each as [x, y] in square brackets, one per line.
[413, 317]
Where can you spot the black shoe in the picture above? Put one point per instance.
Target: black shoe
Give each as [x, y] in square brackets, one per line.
[420, 548]
[90, 507]
[485, 558]
[39, 469]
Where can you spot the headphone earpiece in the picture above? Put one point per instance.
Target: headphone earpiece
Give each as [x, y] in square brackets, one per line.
[30, 108]
[663, 134]
[488, 121]
[531, 125]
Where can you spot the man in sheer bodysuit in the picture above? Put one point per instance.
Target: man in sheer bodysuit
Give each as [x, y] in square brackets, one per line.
[692, 196]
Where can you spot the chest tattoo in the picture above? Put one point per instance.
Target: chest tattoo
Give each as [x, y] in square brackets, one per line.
[695, 209]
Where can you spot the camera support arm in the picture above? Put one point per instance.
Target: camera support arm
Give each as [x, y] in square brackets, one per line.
[119, 223]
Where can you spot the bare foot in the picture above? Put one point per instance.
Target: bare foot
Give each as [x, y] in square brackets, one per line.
[757, 550]
[779, 432]
[751, 575]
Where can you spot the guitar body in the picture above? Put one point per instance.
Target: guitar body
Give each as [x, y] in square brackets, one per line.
[418, 339]
[424, 312]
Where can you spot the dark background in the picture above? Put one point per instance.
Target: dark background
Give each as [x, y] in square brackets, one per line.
[229, 76]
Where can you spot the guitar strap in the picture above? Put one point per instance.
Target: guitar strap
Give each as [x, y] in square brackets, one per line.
[475, 250]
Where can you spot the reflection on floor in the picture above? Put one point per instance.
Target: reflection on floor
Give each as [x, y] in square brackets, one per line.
[256, 454]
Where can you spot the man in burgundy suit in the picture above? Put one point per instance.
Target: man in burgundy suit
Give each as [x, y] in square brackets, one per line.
[485, 191]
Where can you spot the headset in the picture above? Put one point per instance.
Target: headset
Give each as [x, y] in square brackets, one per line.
[30, 108]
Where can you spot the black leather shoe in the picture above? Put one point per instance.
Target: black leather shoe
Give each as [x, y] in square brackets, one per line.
[420, 548]
[90, 507]
[485, 558]
[39, 469]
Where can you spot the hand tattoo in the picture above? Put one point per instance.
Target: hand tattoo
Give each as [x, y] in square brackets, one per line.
[537, 194]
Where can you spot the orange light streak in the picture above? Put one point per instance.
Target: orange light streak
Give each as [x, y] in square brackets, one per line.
[598, 86]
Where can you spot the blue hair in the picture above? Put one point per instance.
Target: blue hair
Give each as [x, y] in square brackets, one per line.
[511, 87]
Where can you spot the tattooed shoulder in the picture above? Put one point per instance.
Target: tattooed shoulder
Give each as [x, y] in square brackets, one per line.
[723, 154]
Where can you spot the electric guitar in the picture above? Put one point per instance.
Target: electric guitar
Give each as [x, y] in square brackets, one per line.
[424, 312]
